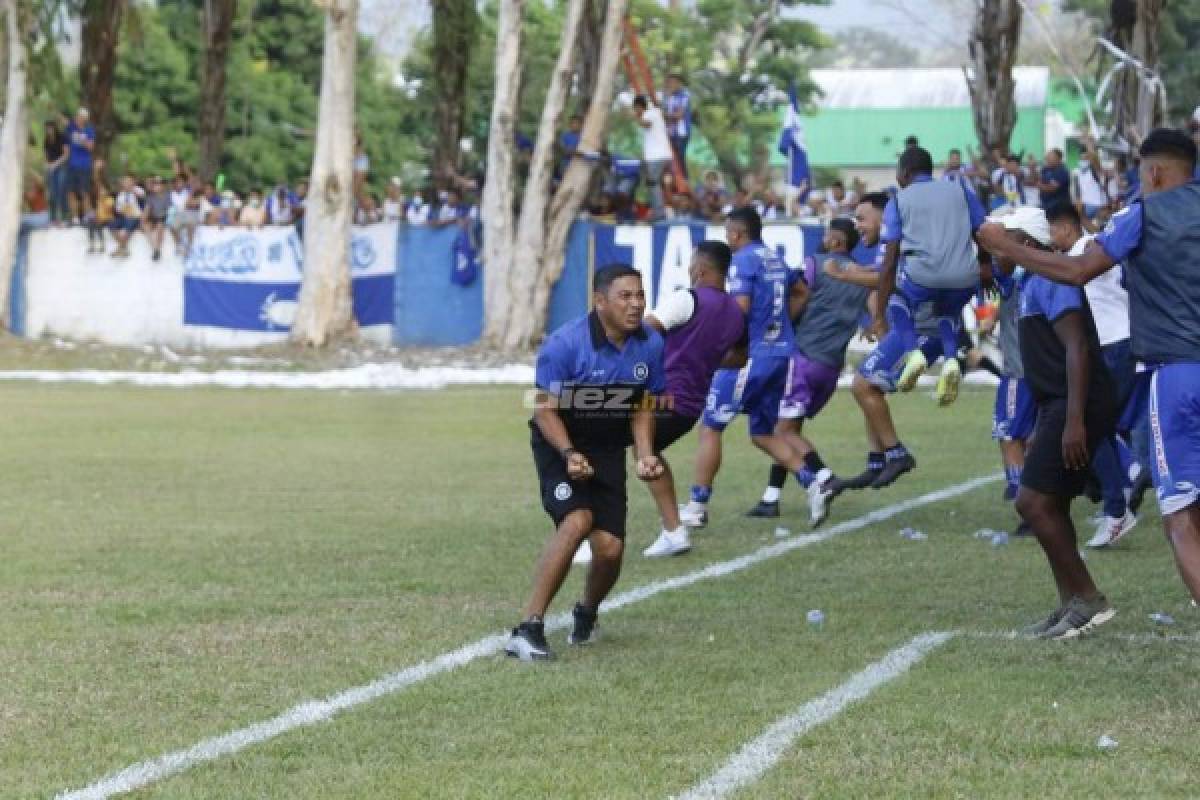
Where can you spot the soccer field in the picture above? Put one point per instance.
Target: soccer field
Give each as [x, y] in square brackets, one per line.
[182, 565]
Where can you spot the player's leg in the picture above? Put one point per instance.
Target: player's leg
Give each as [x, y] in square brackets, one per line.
[768, 506]
[1174, 418]
[528, 640]
[948, 306]
[1044, 501]
[610, 508]
[929, 350]
[1116, 521]
[878, 375]
[897, 459]
[874, 465]
[720, 407]
[673, 539]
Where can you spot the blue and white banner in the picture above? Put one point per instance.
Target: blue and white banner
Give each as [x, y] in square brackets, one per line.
[249, 280]
[662, 252]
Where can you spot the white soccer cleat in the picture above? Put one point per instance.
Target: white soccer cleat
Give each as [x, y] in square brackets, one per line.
[693, 515]
[669, 543]
[583, 556]
[947, 385]
[1111, 529]
[913, 368]
[820, 497]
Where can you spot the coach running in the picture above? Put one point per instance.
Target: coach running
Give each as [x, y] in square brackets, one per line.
[598, 379]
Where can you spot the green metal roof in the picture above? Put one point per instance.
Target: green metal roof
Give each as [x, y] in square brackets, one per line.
[874, 137]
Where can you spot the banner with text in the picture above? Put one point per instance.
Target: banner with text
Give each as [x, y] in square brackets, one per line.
[250, 279]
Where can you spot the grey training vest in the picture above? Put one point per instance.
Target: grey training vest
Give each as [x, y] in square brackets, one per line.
[937, 250]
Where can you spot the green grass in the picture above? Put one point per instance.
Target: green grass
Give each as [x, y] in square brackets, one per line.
[179, 564]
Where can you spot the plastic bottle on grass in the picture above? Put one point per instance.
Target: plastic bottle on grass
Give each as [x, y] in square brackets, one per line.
[816, 618]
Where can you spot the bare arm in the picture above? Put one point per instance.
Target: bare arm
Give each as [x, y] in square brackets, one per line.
[1070, 330]
[867, 278]
[797, 299]
[1058, 267]
[887, 279]
[649, 465]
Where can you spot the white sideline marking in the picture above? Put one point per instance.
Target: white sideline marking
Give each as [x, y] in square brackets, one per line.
[145, 773]
[757, 756]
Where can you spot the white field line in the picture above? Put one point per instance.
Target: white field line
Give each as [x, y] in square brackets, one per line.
[1132, 638]
[314, 711]
[757, 756]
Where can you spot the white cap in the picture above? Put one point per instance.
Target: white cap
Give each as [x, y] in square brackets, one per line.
[1027, 219]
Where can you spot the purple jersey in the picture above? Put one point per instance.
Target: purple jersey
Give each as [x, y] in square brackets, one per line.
[695, 349]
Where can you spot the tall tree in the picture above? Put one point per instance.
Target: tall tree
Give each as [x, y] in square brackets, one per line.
[995, 39]
[217, 27]
[14, 133]
[455, 32]
[102, 21]
[326, 309]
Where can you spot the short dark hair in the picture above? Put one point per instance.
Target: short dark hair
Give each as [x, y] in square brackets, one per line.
[911, 141]
[847, 229]
[877, 199]
[1170, 143]
[915, 161]
[606, 276]
[837, 185]
[640, 101]
[677, 76]
[1064, 212]
[1013, 157]
[716, 253]
[749, 219]
[954, 151]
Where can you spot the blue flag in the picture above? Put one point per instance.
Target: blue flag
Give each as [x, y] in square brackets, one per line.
[791, 144]
[466, 260]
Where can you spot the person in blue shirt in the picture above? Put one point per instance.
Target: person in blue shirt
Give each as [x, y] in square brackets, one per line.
[1055, 183]
[597, 383]
[678, 108]
[81, 141]
[929, 259]
[770, 294]
[1157, 241]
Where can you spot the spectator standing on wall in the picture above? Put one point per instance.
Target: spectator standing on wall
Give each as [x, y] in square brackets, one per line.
[1055, 183]
[394, 202]
[279, 206]
[154, 220]
[128, 216]
[56, 151]
[253, 214]
[420, 210]
[656, 149]
[841, 202]
[191, 214]
[81, 140]
[679, 117]
[1090, 182]
[102, 216]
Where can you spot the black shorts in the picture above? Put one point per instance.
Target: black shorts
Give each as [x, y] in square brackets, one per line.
[603, 494]
[669, 428]
[1044, 469]
[79, 180]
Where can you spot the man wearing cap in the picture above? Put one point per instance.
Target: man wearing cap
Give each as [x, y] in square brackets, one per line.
[1076, 411]
[1157, 241]
[597, 379]
[81, 140]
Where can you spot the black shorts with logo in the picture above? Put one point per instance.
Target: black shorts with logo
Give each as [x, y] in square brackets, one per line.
[603, 494]
[1045, 471]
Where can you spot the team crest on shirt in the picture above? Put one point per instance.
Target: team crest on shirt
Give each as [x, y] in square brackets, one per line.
[562, 491]
[641, 371]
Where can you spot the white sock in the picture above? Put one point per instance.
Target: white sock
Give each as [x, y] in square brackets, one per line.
[680, 532]
[771, 495]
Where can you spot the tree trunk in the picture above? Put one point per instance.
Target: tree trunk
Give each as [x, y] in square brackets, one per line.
[995, 38]
[326, 309]
[14, 131]
[498, 189]
[455, 23]
[218, 18]
[528, 252]
[1140, 101]
[591, 32]
[572, 191]
[97, 67]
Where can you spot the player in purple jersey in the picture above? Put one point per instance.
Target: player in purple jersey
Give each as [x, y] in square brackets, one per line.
[702, 326]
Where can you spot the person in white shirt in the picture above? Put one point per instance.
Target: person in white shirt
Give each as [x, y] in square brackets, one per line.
[420, 210]
[1091, 190]
[656, 149]
[128, 216]
[1109, 303]
[393, 203]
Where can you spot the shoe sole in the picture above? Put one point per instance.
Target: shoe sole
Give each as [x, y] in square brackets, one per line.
[584, 643]
[905, 471]
[525, 652]
[908, 381]
[668, 554]
[1093, 623]
[1124, 532]
[754, 515]
[947, 388]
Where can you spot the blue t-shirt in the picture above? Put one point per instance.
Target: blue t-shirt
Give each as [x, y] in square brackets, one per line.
[1123, 233]
[866, 255]
[892, 229]
[569, 140]
[598, 383]
[680, 102]
[80, 156]
[758, 273]
[1062, 194]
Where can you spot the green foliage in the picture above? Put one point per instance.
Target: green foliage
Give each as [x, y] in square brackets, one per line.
[273, 76]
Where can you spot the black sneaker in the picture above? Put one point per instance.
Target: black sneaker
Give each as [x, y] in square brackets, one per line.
[1024, 529]
[584, 631]
[1137, 493]
[894, 469]
[860, 481]
[764, 509]
[1081, 617]
[528, 642]
[1039, 628]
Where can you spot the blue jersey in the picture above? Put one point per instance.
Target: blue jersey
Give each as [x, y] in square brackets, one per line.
[758, 273]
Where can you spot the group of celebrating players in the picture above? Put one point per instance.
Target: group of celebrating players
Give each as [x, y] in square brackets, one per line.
[1101, 373]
